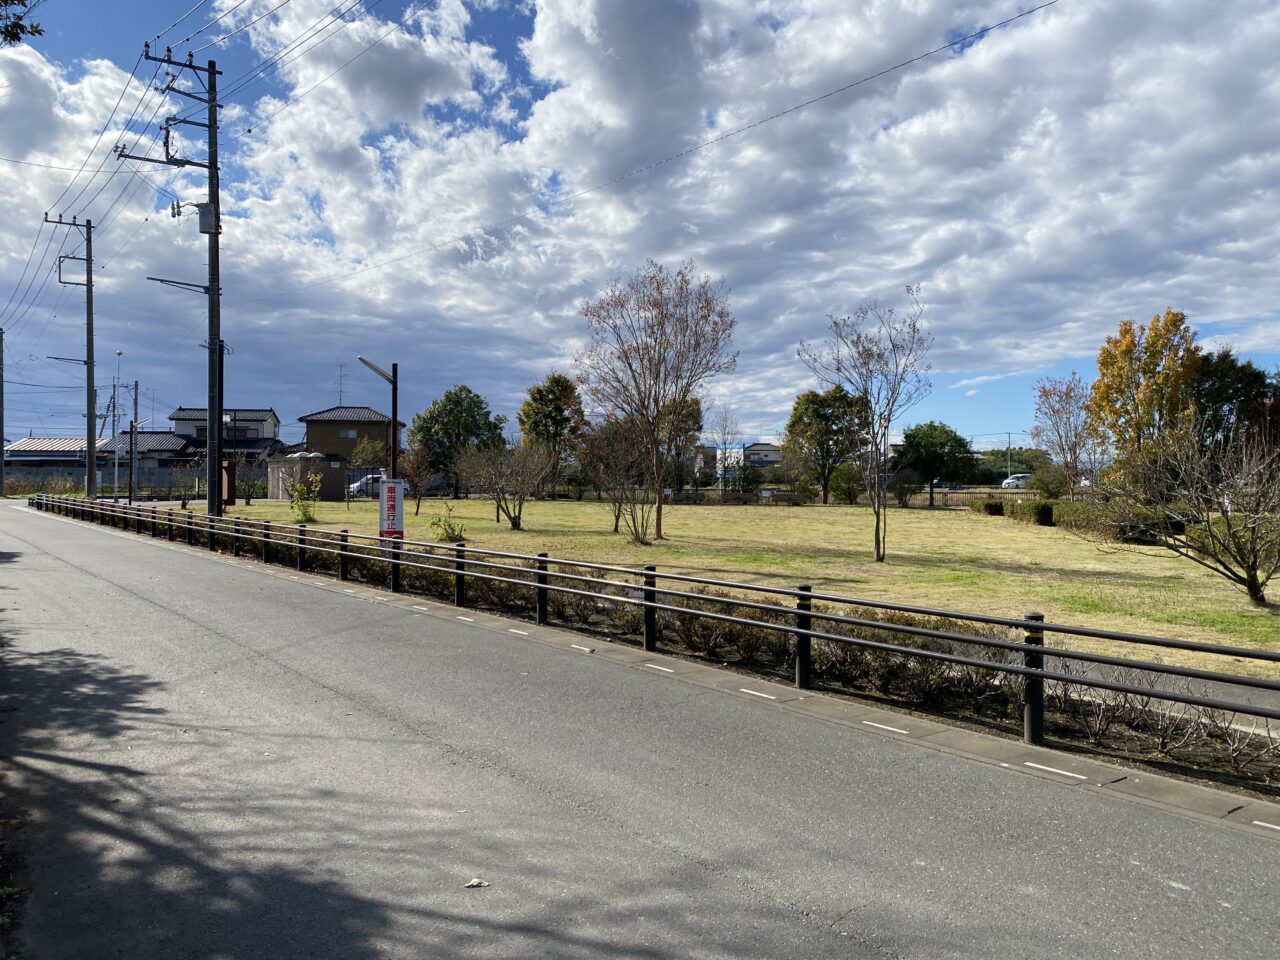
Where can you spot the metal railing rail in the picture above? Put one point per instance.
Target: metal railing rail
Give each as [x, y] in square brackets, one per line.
[544, 574]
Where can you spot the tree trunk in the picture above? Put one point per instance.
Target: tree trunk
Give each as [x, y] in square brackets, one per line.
[930, 494]
[826, 488]
[1255, 589]
[657, 481]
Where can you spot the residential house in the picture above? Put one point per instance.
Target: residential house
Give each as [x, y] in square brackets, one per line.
[761, 454]
[240, 424]
[153, 448]
[335, 431]
[47, 452]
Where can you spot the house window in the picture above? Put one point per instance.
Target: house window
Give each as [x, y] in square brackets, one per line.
[347, 433]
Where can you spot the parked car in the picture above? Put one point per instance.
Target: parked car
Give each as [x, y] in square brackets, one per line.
[1016, 481]
[366, 486]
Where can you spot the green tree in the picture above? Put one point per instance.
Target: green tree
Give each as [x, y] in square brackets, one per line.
[683, 429]
[1227, 392]
[824, 431]
[936, 452]
[847, 482]
[16, 22]
[368, 452]
[458, 420]
[552, 414]
[1144, 381]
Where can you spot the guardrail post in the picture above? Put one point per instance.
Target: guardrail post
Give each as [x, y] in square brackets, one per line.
[344, 557]
[541, 603]
[804, 643]
[191, 529]
[235, 537]
[302, 549]
[1033, 687]
[172, 531]
[395, 564]
[650, 614]
[155, 529]
[211, 525]
[266, 538]
[460, 577]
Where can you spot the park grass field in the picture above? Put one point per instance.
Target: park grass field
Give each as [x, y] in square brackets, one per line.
[951, 559]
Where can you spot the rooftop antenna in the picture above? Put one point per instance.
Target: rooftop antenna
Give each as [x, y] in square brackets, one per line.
[341, 376]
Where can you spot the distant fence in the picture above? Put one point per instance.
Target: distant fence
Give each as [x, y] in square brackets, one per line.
[811, 633]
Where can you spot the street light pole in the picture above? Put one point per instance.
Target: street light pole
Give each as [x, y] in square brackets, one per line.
[392, 378]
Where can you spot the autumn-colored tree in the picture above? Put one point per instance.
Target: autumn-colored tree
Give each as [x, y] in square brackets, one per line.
[415, 470]
[1144, 379]
[1062, 427]
[552, 414]
[653, 342]
[824, 430]
[508, 474]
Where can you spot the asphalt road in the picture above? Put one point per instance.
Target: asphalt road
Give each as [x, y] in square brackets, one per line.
[224, 764]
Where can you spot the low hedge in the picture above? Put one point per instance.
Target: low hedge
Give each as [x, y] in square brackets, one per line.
[989, 508]
[1039, 512]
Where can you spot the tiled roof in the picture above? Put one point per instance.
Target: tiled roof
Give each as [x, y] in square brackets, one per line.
[148, 441]
[238, 413]
[34, 445]
[348, 415]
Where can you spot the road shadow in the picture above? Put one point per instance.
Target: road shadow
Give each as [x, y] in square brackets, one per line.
[108, 872]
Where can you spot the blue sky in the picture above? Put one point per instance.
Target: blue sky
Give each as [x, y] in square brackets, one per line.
[1090, 163]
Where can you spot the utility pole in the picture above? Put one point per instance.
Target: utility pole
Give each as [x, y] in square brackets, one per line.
[1, 411]
[1008, 454]
[133, 443]
[211, 225]
[90, 399]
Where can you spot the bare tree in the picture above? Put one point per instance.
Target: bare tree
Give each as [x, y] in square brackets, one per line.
[613, 455]
[725, 434]
[1064, 430]
[1216, 504]
[879, 355]
[508, 474]
[653, 342]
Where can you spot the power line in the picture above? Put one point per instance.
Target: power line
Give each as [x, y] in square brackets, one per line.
[350, 60]
[179, 20]
[214, 21]
[737, 131]
[214, 43]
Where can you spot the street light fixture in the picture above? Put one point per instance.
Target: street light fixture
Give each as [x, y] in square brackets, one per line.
[392, 378]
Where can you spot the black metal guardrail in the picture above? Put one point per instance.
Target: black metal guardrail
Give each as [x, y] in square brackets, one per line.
[654, 591]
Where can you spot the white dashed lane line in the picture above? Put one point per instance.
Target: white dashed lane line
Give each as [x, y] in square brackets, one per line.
[654, 666]
[467, 619]
[1263, 823]
[881, 726]
[757, 693]
[1065, 773]
[523, 633]
[582, 648]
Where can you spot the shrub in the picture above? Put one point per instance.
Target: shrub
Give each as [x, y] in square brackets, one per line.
[1050, 481]
[1031, 511]
[904, 485]
[1077, 516]
[304, 493]
[448, 529]
[989, 508]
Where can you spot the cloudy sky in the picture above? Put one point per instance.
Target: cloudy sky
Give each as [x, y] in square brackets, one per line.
[401, 182]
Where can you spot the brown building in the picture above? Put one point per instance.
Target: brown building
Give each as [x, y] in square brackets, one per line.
[335, 431]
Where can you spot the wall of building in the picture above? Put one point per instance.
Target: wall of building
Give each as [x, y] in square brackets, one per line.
[326, 437]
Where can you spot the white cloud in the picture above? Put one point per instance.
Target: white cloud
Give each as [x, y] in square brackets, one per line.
[1092, 162]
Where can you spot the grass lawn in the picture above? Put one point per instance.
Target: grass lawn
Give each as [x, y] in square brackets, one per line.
[942, 558]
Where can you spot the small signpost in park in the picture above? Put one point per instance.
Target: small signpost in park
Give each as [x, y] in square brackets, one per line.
[391, 509]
